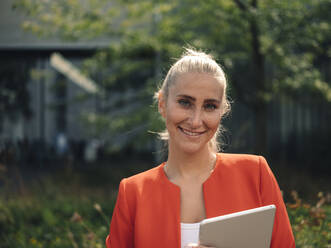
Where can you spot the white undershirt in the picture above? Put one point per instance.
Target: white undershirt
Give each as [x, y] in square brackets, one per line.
[189, 233]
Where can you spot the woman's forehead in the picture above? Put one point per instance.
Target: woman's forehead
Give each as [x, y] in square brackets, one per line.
[197, 84]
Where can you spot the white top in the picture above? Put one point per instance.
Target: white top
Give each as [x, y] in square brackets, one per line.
[189, 233]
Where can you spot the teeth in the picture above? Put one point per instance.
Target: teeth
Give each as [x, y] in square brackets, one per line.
[190, 133]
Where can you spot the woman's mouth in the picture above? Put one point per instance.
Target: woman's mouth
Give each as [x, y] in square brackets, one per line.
[190, 133]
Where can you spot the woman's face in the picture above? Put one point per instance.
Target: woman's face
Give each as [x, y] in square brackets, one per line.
[192, 111]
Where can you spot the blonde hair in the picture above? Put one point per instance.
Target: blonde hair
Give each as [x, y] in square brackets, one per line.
[193, 61]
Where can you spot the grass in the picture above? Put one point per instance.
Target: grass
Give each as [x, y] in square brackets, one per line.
[71, 208]
[54, 214]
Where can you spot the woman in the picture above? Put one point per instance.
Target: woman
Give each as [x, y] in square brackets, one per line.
[163, 206]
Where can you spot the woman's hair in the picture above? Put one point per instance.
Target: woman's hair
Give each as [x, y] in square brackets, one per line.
[193, 61]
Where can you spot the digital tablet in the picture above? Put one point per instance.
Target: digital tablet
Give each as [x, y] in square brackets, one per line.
[246, 229]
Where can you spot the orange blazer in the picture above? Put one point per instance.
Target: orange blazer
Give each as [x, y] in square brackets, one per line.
[147, 211]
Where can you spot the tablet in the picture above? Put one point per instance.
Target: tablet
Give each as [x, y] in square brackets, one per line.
[246, 229]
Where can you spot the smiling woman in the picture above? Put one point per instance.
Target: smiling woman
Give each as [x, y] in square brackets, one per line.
[192, 111]
[202, 71]
[162, 207]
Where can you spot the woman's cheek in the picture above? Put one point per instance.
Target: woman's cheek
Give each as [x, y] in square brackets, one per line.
[177, 114]
[213, 120]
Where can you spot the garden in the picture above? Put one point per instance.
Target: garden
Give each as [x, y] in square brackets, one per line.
[73, 208]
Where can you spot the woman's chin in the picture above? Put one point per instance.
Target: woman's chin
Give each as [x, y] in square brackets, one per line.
[191, 148]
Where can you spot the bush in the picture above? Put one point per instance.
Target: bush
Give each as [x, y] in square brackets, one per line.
[68, 211]
[311, 224]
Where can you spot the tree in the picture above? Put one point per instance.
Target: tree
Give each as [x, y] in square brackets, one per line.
[267, 47]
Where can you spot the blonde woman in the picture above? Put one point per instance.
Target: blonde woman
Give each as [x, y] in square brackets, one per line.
[162, 207]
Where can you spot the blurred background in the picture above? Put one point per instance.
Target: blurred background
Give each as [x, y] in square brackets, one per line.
[77, 79]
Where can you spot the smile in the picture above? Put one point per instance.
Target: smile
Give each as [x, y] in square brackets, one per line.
[190, 133]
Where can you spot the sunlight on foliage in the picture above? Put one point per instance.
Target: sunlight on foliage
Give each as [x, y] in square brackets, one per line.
[311, 222]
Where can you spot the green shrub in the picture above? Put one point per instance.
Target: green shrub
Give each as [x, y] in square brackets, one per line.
[58, 214]
[311, 224]
[60, 222]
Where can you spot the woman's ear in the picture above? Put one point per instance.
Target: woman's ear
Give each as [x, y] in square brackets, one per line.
[161, 104]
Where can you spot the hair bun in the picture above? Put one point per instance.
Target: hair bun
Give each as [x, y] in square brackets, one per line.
[191, 52]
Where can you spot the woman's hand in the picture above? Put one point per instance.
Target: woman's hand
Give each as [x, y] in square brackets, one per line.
[191, 245]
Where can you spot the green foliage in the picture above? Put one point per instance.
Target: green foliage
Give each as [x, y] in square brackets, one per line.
[60, 214]
[311, 223]
[127, 79]
[53, 218]
[72, 20]
[268, 48]
[36, 222]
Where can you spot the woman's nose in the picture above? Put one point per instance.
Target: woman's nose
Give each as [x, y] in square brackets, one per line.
[196, 119]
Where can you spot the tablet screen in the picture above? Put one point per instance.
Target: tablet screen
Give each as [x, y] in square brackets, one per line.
[245, 229]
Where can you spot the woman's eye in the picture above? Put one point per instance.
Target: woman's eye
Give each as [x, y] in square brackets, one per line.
[210, 106]
[184, 103]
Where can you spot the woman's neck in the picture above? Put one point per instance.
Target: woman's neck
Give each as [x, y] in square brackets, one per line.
[190, 165]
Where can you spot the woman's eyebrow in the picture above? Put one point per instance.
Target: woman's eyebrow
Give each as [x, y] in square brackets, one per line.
[213, 101]
[186, 96]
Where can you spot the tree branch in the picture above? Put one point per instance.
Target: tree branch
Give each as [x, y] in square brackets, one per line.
[240, 5]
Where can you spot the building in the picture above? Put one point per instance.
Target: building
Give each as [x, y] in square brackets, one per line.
[52, 95]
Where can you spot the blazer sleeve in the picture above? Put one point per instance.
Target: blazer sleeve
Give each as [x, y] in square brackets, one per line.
[121, 226]
[282, 235]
